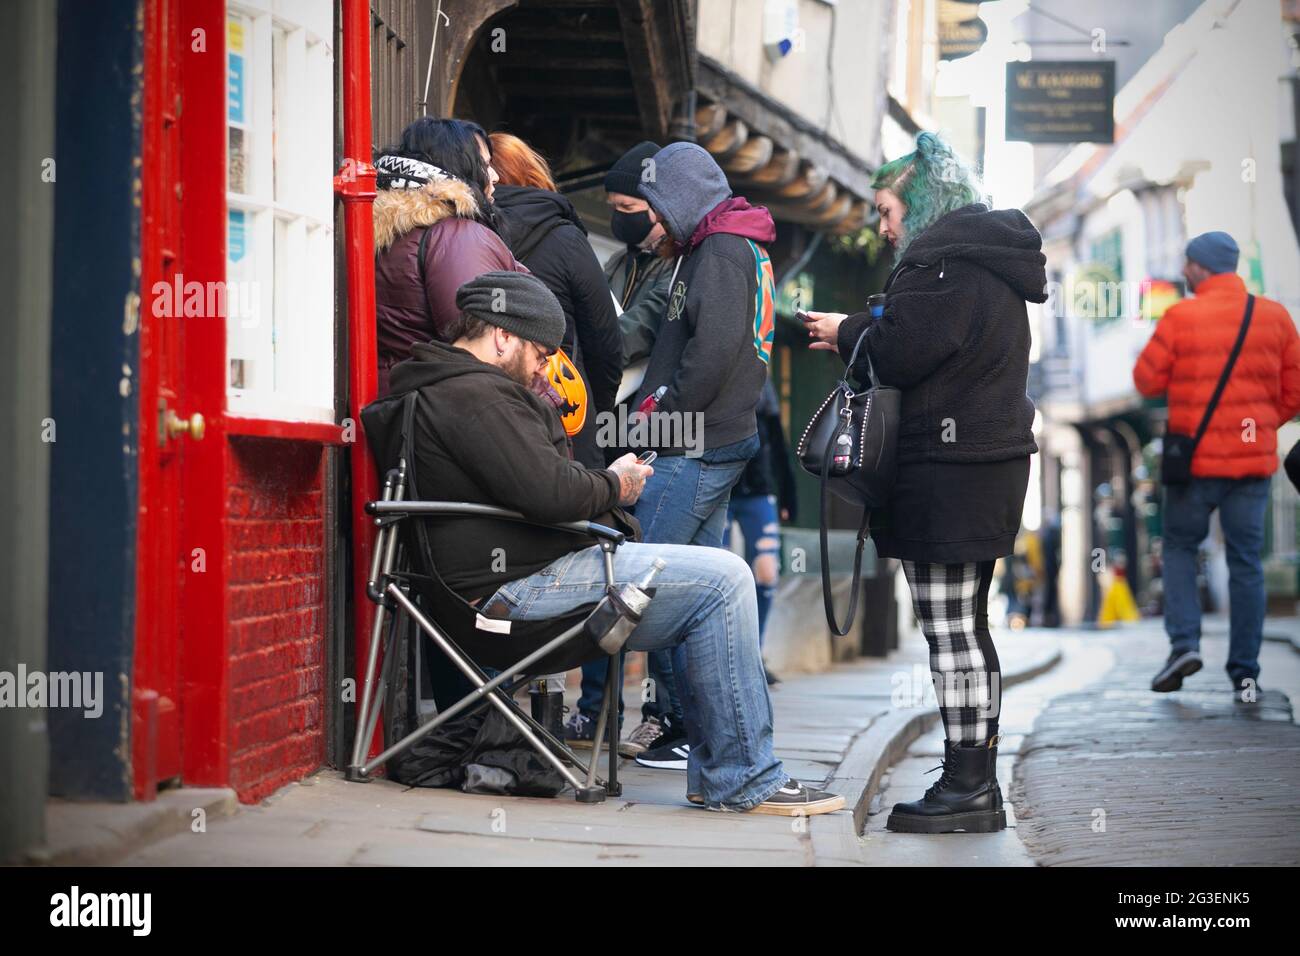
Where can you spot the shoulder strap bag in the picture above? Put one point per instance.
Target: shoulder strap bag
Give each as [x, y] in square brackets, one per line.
[849, 445]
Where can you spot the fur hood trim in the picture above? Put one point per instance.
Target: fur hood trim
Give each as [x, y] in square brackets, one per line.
[398, 211]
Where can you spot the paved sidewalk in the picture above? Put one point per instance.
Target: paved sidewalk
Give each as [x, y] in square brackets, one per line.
[841, 726]
[1118, 775]
[1085, 659]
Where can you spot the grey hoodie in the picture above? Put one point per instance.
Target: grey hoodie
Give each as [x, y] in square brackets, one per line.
[682, 186]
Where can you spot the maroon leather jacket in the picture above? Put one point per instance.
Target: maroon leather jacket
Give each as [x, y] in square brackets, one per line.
[458, 249]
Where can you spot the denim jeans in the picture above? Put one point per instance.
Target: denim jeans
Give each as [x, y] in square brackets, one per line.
[704, 602]
[759, 522]
[683, 502]
[1241, 503]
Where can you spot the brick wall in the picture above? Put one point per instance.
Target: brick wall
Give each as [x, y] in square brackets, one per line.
[276, 575]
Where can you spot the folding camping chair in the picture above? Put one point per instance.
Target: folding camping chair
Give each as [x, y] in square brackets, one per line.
[404, 581]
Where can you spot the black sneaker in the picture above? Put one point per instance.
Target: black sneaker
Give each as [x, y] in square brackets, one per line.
[579, 730]
[1176, 668]
[672, 755]
[796, 799]
[670, 751]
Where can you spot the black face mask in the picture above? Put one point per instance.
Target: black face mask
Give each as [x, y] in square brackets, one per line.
[630, 228]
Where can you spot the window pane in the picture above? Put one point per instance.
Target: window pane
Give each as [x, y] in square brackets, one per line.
[280, 257]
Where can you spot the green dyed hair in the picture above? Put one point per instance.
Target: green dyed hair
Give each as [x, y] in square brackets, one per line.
[931, 181]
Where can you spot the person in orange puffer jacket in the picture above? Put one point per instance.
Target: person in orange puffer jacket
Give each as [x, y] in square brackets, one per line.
[1235, 459]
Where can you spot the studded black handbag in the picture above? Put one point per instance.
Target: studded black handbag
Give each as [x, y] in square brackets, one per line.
[850, 446]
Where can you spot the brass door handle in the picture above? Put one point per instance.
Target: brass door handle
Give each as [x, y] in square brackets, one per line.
[194, 426]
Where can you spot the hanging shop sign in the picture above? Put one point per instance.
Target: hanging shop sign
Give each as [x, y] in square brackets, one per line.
[960, 33]
[1060, 101]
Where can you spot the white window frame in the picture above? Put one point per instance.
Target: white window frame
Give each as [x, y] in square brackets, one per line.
[280, 296]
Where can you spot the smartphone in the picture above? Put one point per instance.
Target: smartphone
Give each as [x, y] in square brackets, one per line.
[802, 316]
[646, 457]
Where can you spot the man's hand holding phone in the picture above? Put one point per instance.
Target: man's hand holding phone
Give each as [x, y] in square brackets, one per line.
[632, 474]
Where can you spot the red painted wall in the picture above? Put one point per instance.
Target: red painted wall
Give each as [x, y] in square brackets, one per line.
[276, 595]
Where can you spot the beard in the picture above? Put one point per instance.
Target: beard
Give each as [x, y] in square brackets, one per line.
[520, 369]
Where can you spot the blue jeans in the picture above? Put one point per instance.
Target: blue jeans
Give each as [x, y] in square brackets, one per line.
[1241, 503]
[704, 602]
[683, 502]
[760, 525]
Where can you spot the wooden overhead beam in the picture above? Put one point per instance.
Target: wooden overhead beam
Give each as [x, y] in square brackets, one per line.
[728, 140]
[855, 219]
[779, 171]
[709, 120]
[761, 112]
[752, 156]
[660, 57]
[810, 180]
[822, 199]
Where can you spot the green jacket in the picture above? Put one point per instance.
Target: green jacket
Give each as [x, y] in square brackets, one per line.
[641, 288]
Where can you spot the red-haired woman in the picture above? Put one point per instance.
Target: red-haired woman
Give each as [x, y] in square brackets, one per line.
[544, 232]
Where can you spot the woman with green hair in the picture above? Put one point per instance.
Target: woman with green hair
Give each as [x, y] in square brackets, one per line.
[954, 339]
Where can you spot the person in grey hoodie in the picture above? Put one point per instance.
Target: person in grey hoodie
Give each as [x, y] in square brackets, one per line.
[707, 369]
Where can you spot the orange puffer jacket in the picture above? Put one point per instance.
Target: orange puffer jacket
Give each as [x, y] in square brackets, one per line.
[1185, 357]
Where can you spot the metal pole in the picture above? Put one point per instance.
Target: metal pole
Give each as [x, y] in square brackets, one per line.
[355, 186]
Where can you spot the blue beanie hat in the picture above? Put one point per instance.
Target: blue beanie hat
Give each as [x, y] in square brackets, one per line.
[1217, 251]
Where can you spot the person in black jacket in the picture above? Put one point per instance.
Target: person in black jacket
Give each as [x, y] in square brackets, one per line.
[545, 233]
[954, 338]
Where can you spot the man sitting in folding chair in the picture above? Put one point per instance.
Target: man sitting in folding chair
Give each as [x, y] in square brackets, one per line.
[482, 435]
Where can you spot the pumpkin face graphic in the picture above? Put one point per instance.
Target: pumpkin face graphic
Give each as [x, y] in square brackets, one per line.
[563, 376]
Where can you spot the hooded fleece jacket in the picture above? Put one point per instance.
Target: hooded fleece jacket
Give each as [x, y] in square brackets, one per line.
[418, 305]
[954, 337]
[715, 340]
[482, 437]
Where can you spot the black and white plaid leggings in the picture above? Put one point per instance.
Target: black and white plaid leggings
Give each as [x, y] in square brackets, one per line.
[952, 603]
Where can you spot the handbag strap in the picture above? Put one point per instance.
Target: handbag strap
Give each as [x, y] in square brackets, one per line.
[1227, 371]
[823, 538]
[871, 369]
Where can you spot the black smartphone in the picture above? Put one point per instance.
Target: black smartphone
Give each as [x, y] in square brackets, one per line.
[646, 457]
[801, 315]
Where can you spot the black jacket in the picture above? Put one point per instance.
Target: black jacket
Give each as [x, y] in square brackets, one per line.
[707, 350]
[954, 337]
[544, 232]
[482, 437]
[769, 472]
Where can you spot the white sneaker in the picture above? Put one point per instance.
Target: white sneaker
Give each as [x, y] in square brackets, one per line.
[642, 738]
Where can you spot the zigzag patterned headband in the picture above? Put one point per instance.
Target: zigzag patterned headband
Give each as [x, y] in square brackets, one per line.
[398, 172]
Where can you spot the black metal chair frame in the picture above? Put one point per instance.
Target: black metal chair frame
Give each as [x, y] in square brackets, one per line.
[557, 644]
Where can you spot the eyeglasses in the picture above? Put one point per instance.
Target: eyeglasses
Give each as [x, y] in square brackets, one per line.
[542, 351]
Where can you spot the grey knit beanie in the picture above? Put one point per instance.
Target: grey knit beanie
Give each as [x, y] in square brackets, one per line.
[517, 302]
[683, 183]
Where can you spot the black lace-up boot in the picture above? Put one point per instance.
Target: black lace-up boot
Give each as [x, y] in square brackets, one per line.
[965, 797]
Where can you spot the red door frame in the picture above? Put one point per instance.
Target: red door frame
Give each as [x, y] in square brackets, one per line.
[155, 687]
[195, 32]
[205, 651]
[181, 653]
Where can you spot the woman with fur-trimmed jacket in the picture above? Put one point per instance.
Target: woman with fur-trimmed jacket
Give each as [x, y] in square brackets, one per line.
[434, 197]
